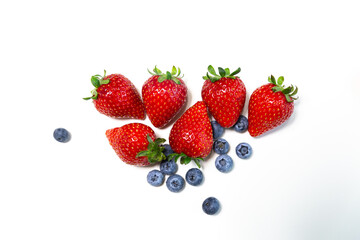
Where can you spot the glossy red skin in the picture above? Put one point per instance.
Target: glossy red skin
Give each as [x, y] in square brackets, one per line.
[267, 110]
[119, 99]
[163, 100]
[129, 140]
[225, 99]
[192, 133]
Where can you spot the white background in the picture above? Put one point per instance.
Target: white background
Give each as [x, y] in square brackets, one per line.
[302, 182]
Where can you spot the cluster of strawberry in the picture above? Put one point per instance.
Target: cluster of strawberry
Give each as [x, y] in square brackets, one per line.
[191, 137]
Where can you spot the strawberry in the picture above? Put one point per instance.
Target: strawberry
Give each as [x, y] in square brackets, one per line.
[224, 94]
[135, 144]
[115, 96]
[164, 95]
[191, 136]
[270, 106]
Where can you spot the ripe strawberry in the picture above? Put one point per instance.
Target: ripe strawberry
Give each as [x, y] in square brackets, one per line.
[270, 106]
[224, 95]
[191, 136]
[115, 96]
[135, 144]
[164, 94]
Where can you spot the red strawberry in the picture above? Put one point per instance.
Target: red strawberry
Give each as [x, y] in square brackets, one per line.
[270, 106]
[115, 96]
[164, 94]
[135, 144]
[224, 95]
[191, 136]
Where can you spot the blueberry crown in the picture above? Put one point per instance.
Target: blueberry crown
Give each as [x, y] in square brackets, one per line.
[173, 75]
[289, 92]
[223, 73]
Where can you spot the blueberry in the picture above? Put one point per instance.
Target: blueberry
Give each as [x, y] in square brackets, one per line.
[62, 135]
[211, 206]
[155, 178]
[175, 183]
[242, 124]
[243, 150]
[224, 163]
[167, 150]
[221, 146]
[168, 167]
[218, 130]
[194, 176]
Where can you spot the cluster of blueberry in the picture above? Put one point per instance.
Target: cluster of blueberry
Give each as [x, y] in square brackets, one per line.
[194, 176]
[175, 182]
[224, 162]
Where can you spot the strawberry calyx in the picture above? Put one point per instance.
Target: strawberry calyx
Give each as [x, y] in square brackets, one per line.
[289, 92]
[223, 73]
[154, 151]
[97, 81]
[185, 159]
[173, 75]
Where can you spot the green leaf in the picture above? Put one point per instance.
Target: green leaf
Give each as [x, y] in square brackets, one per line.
[162, 78]
[173, 71]
[277, 89]
[150, 72]
[288, 90]
[95, 81]
[88, 98]
[149, 138]
[197, 162]
[185, 160]
[179, 71]
[171, 156]
[168, 75]
[157, 71]
[205, 77]
[272, 80]
[227, 71]
[94, 94]
[222, 72]
[212, 70]
[280, 80]
[177, 157]
[143, 153]
[104, 81]
[177, 81]
[235, 72]
[288, 98]
[215, 78]
[295, 91]
[159, 141]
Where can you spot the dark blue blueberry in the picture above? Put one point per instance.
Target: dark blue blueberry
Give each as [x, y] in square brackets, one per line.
[168, 167]
[242, 124]
[155, 178]
[194, 176]
[175, 183]
[62, 135]
[243, 150]
[221, 146]
[218, 130]
[224, 163]
[167, 150]
[211, 206]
